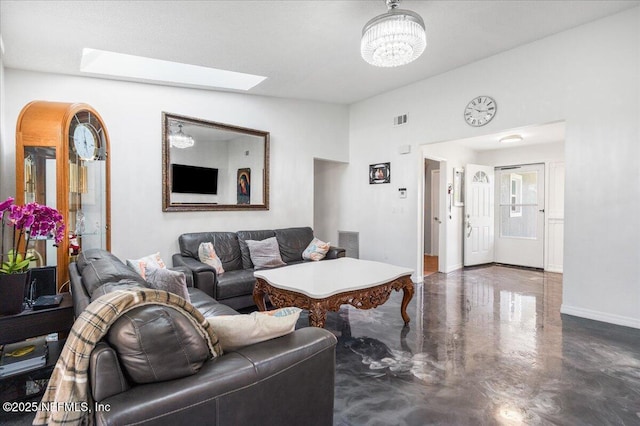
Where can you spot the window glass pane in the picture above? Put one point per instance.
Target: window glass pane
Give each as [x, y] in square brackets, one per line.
[520, 225]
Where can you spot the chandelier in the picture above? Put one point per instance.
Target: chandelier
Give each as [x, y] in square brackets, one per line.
[393, 38]
[180, 139]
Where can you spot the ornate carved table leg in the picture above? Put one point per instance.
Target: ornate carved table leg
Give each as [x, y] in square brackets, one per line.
[317, 315]
[407, 289]
[259, 293]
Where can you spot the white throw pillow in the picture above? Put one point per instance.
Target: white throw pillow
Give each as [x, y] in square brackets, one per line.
[154, 260]
[207, 254]
[265, 253]
[236, 331]
[316, 250]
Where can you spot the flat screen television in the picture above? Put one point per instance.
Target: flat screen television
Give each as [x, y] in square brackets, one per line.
[194, 180]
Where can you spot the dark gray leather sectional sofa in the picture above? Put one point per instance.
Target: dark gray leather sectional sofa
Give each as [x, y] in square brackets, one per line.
[235, 287]
[284, 381]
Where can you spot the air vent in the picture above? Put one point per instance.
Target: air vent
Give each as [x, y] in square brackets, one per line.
[400, 120]
[350, 241]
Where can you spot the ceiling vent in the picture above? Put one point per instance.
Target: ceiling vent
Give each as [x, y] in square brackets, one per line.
[400, 120]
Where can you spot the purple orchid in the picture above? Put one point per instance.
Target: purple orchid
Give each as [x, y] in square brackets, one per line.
[29, 221]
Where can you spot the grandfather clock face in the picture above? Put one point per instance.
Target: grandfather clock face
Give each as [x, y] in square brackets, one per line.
[86, 136]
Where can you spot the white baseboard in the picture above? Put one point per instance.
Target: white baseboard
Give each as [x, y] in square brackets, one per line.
[452, 268]
[554, 269]
[600, 316]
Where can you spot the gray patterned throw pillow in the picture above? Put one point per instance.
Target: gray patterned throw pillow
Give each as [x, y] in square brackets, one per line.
[265, 253]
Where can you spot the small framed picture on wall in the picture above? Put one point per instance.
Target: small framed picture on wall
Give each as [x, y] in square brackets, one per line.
[380, 173]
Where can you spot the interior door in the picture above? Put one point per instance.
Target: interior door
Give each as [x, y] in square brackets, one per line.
[435, 212]
[479, 217]
[520, 215]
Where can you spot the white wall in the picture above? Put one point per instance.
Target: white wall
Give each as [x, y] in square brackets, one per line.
[511, 156]
[587, 76]
[327, 175]
[299, 130]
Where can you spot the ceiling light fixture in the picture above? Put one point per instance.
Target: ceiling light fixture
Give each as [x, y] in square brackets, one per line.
[393, 38]
[180, 139]
[511, 139]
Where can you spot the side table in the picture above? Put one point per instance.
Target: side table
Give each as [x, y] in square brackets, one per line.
[30, 323]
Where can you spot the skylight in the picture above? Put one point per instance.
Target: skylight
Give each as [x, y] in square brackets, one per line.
[102, 62]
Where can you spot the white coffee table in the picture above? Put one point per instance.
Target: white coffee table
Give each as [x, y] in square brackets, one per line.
[326, 285]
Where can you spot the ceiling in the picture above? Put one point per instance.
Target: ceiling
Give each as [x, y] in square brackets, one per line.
[531, 135]
[307, 49]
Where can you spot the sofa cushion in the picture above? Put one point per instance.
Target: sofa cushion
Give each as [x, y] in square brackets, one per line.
[237, 331]
[225, 244]
[105, 270]
[292, 242]
[165, 279]
[316, 250]
[139, 265]
[156, 343]
[87, 256]
[207, 254]
[207, 306]
[243, 236]
[265, 253]
[235, 283]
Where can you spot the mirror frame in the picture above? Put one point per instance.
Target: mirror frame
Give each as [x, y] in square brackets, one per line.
[168, 206]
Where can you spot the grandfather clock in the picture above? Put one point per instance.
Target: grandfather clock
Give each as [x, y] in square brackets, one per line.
[62, 161]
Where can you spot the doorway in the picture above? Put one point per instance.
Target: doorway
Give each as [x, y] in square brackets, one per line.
[542, 144]
[432, 220]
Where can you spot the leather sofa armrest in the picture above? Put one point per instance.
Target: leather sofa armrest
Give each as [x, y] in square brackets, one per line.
[204, 276]
[335, 253]
[81, 298]
[106, 375]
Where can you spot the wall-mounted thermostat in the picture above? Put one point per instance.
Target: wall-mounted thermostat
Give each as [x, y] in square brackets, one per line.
[403, 192]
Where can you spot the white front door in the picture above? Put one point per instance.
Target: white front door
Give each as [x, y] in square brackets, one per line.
[478, 217]
[520, 215]
[435, 212]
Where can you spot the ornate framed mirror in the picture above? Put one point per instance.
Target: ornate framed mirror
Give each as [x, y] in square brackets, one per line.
[213, 166]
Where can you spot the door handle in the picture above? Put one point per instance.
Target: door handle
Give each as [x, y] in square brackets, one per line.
[435, 219]
[541, 211]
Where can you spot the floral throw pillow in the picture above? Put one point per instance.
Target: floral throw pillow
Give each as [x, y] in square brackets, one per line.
[207, 254]
[316, 250]
[153, 260]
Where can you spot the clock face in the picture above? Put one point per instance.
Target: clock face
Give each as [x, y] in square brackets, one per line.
[480, 111]
[85, 134]
[84, 142]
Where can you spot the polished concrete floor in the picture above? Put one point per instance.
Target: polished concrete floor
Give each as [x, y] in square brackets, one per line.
[485, 346]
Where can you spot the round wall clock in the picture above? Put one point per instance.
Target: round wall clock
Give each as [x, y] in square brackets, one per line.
[480, 110]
